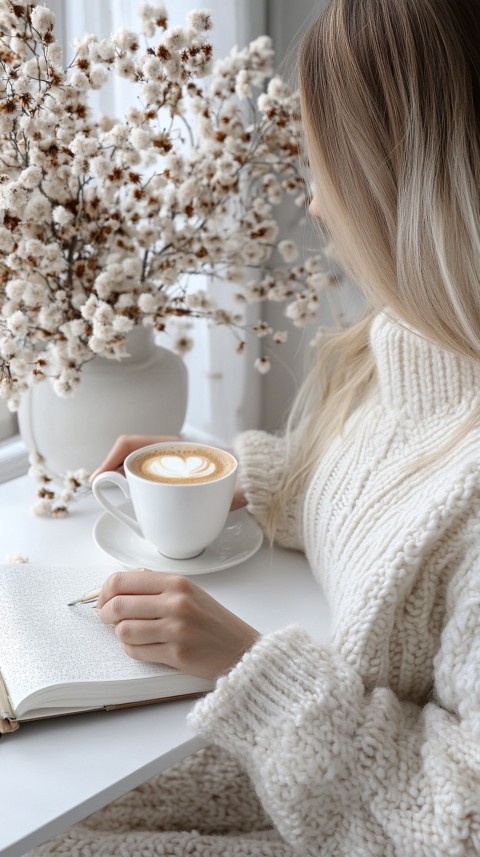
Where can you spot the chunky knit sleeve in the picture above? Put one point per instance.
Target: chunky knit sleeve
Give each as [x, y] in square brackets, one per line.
[262, 458]
[343, 770]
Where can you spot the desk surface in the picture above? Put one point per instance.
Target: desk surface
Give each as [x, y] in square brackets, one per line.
[56, 773]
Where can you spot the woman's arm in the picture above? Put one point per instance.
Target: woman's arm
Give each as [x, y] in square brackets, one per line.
[263, 458]
[343, 770]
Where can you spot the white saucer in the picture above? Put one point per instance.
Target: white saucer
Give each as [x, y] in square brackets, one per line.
[238, 541]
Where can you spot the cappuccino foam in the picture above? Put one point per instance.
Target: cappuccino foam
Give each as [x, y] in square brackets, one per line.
[187, 465]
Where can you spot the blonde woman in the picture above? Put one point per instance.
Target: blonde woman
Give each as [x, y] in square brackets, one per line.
[370, 745]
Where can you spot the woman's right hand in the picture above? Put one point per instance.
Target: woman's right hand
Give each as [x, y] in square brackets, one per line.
[123, 446]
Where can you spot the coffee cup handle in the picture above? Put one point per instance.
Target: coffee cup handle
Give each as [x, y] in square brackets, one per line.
[112, 477]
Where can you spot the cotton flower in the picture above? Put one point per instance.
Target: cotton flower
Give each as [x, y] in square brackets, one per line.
[125, 40]
[199, 20]
[174, 38]
[117, 135]
[262, 365]
[104, 285]
[30, 177]
[13, 197]
[243, 83]
[42, 508]
[83, 146]
[151, 91]
[100, 168]
[152, 11]
[19, 558]
[97, 344]
[148, 303]
[38, 208]
[200, 299]
[288, 251]
[34, 294]
[278, 89]
[152, 67]
[262, 329]
[66, 383]
[183, 344]
[132, 268]
[98, 76]
[148, 29]
[6, 241]
[89, 308]
[105, 50]
[43, 19]
[59, 511]
[122, 324]
[318, 281]
[174, 69]
[300, 313]
[61, 216]
[54, 53]
[140, 138]
[125, 67]
[78, 80]
[18, 324]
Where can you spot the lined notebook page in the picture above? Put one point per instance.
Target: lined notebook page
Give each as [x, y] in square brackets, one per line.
[43, 642]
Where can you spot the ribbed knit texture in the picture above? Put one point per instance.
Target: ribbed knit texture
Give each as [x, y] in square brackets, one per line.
[368, 746]
[371, 746]
[253, 450]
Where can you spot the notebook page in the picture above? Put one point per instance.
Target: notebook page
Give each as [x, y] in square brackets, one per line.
[43, 642]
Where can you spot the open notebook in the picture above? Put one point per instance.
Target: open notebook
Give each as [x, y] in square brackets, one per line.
[56, 659]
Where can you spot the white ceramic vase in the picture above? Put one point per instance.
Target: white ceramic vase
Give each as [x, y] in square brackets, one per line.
[145, 393]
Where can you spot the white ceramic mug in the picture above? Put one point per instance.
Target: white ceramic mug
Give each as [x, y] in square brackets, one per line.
[179, 518]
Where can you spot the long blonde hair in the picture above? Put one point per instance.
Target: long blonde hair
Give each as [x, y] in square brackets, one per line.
[390, 93]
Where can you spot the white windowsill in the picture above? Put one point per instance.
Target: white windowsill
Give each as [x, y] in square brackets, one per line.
[13, 458]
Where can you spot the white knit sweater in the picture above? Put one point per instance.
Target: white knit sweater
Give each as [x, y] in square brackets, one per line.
[371, 745]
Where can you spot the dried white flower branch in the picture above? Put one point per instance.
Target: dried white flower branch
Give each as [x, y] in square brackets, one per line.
[103, 223]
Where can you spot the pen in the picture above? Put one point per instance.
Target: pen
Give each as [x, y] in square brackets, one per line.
[89, 596]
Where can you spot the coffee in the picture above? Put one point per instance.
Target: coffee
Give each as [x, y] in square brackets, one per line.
[182, 465]
[181, 493]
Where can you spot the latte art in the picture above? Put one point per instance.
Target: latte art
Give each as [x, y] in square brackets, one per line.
[178, 467]
[182, 465]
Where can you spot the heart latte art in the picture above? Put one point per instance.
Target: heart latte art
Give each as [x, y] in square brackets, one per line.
[178, 467]
[188, 465]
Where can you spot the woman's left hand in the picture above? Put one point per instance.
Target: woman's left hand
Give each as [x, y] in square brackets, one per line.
[165, 618]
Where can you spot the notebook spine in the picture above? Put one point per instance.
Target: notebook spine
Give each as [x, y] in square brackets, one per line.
[8, 721]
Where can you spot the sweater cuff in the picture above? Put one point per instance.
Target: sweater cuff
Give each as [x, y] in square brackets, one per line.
[262, 462]
[273, 682]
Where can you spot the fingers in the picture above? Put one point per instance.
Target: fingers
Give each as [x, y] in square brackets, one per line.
[122, 607]
[140, 582]
[123, 446]
[156, 653]
[140, 632]
[239, 500]
[117, 455]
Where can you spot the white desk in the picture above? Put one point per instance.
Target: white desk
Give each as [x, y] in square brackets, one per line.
[56, 773]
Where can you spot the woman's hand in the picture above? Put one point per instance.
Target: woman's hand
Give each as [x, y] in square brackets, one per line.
[165, 618]
[124, 445]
